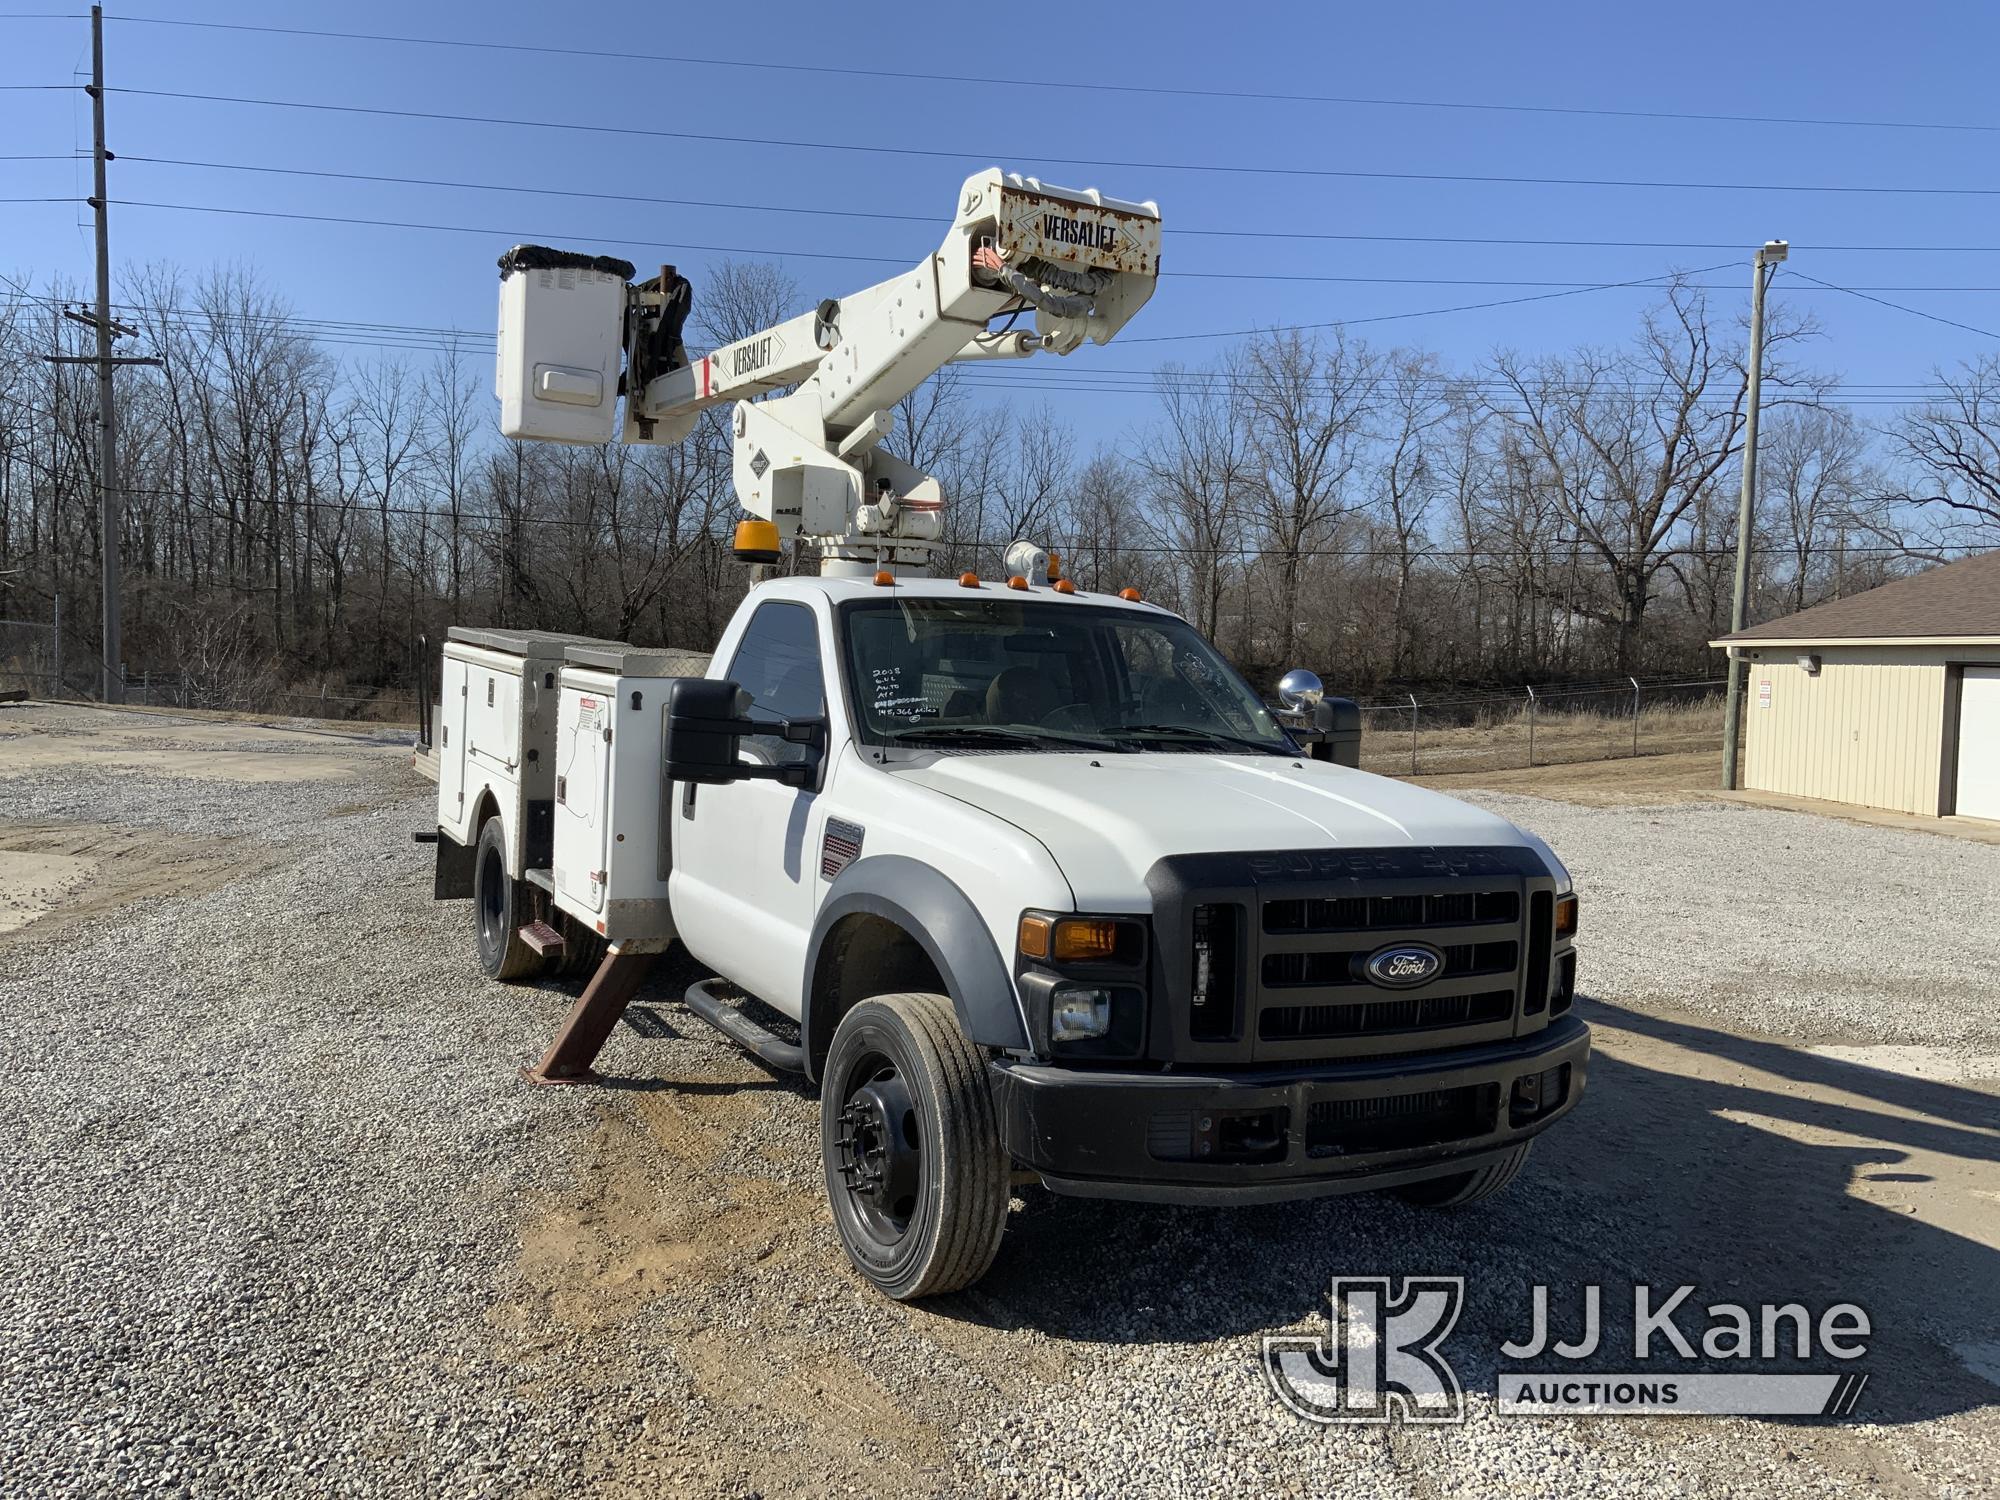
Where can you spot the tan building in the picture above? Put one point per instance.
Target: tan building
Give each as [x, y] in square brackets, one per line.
[1889, 698]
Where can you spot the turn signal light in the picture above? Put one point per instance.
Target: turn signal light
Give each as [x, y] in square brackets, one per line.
[1084, 939]
[1566, 915]
[1034, 937]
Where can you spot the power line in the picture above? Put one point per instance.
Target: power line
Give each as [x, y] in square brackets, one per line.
[1068, 86]
[1428, 312]
[265, 213]
[1066, 380]
[302, 504]
[1570, 242]
[930, 153]
[1897, 306]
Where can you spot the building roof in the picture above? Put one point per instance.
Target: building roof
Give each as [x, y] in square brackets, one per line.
[1958, 601]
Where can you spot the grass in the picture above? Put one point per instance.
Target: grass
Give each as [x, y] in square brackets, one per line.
[1560, 737]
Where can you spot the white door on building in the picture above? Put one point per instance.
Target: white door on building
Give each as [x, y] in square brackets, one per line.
[1979, 744]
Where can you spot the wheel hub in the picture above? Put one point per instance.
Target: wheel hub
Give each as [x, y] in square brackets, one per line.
[880, 1151]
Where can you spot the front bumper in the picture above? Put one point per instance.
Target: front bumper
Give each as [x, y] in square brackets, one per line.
[1257, 1136]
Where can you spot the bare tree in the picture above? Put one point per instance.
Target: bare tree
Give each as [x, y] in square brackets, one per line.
[1306, 406]
[1953, 445]
[1812, 471]
[1417, 402]
[740, 297]
[1631, 438]
[1198, 473]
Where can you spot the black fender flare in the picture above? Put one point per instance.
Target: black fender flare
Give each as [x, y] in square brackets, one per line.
[945, 924]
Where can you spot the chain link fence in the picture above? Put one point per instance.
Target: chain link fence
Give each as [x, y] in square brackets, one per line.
[1414, 734]
[1539, 726]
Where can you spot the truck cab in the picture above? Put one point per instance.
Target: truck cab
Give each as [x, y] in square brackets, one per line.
[1050, 892]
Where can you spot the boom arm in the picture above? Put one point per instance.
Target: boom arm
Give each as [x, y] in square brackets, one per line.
[809, 462]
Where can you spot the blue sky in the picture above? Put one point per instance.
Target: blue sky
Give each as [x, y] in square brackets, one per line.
[1847, 61]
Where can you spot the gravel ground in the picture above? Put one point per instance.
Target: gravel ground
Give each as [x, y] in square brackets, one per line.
[276, 1218]
[1783, 922]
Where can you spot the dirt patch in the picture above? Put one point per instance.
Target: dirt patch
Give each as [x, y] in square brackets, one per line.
[32, 884]
[211, 763]
[59, 736]
[56, 875]
[689, 1220]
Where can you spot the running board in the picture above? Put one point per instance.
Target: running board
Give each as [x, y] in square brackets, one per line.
[786, 1057]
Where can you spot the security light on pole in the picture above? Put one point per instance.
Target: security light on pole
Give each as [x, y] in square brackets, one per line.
[1762, 264]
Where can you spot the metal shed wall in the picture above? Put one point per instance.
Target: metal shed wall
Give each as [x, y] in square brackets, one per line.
[1868, 729]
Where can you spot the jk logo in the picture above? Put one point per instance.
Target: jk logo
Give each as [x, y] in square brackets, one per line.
[1379, 1357]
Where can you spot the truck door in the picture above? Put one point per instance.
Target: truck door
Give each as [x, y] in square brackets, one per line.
[742, 888]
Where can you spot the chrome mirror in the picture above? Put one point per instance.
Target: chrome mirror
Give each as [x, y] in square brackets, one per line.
[1300, 691]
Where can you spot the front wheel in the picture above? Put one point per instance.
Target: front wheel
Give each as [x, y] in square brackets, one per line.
[1466, 1187]
[915, 1169]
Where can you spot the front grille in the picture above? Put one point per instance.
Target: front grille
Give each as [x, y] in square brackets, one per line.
[1292, 1023]
[1363, 913]
[1343, 966]
[1342, 1127]
[1269, 954]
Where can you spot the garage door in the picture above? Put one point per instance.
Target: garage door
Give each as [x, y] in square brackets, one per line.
[1979, 744]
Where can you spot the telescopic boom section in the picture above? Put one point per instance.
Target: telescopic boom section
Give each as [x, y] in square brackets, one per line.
[575, 336]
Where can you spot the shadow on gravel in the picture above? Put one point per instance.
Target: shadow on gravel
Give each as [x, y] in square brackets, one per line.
[1675, 1170]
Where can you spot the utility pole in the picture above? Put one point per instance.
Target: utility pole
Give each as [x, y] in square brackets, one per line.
[110, 497]
[110, 494]
[1762, 265]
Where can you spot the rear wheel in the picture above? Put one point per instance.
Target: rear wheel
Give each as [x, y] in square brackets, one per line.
[1466, 1187]
[917, 1175]
[498, 902]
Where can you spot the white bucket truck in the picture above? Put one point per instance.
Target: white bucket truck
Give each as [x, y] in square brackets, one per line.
[1043, 885]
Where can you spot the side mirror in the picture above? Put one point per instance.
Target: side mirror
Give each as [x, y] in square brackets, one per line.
[706, 722]
[1337, 732]
[1300, 690]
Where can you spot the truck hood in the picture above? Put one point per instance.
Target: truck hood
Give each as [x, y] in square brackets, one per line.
[1106, 819]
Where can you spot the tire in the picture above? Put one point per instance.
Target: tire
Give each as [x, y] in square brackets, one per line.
[582, 951]
[497, 906]
[1466, 1187]
[915, 1168]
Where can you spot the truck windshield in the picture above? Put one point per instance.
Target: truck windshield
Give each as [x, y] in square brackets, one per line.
[998, 674]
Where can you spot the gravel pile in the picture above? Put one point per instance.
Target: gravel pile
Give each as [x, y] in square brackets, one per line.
[276, 1217]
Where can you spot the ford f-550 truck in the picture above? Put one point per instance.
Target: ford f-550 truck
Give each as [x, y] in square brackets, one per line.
[1047, 890]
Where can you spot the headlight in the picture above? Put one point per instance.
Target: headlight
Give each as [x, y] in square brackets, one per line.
[1077, 1013]
[1566, 916]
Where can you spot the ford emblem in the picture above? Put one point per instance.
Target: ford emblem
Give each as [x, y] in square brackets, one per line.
[1404, 965]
